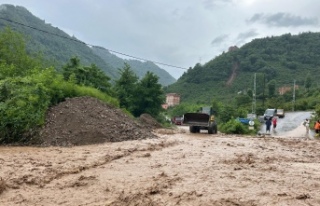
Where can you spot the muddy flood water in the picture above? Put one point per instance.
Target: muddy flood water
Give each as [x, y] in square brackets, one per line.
[178, 168]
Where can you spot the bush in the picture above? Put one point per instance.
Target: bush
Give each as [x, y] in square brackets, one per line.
[234, 126]
[25, 100]
[22, 108]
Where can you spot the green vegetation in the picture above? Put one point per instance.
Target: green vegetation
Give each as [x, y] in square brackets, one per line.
[46, 69]
[268, 64]
[277, 62]
[25, 100]
[27, 89]
[86, 75]
[138, 97]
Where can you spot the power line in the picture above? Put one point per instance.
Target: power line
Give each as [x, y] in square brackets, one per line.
[31, 27]
[78, 41]
[146, 59]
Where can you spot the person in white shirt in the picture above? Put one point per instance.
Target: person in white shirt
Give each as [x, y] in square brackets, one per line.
[306, 123]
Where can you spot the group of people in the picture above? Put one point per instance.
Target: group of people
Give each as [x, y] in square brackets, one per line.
[271, 121]
[306, 123]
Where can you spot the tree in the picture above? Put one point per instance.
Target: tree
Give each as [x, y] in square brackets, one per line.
[308, 82]
[216, 106]
[272, 88]
[96, 78]
[86, 75]
[71, 67]
[13, 55]
[125, 87]
[149, 96]
[227, 112]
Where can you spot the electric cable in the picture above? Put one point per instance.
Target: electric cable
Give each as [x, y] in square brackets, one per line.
[99, 47]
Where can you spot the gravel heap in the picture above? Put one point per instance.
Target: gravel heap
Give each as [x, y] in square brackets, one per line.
[86, 120]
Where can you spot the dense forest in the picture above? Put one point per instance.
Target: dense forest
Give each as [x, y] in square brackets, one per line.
[57, 47]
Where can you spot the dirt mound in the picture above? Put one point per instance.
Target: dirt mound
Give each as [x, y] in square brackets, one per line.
[149, 121]
[86, 120]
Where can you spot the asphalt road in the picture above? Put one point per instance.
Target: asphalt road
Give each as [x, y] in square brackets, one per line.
[290, 122]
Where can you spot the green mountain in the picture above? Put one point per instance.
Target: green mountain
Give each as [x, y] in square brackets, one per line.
[282, 60]
[58, 47]
[140, 68]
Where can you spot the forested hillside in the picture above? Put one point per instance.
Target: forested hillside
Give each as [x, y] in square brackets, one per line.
[277, 62]
[57, 47]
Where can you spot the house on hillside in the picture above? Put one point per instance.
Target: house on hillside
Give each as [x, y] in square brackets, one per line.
[172, 99]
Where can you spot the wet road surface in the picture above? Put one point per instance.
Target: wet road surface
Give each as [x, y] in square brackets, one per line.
[291, 122]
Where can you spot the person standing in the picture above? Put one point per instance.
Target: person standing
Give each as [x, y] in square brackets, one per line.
[274, 122]
[317, 127]
[306, 123]
[268, 125]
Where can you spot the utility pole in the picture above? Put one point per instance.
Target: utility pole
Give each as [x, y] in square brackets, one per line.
[264, 88]
[294, 95]
[254, 95]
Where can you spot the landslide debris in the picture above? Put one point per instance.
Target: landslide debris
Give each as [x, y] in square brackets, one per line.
[87, 120]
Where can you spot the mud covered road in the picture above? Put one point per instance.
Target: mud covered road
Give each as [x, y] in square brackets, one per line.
[177, 168]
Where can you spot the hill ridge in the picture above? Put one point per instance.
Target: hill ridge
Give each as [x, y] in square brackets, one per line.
[59, 50]
[284, 59]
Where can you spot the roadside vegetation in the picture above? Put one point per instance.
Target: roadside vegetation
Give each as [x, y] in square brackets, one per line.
[28, 88]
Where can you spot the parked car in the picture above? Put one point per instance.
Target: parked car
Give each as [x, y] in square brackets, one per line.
[269, 113]
[280, 113]
[177, 120]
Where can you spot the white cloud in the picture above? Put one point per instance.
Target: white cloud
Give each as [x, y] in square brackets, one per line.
[283, 20]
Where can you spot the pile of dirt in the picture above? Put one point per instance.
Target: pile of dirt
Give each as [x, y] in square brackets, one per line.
[149, 121]
[86, 120]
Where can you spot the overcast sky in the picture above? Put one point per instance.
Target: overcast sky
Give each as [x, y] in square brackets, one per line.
[175, 32]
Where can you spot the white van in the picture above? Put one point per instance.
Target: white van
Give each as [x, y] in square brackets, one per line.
[269, 113]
